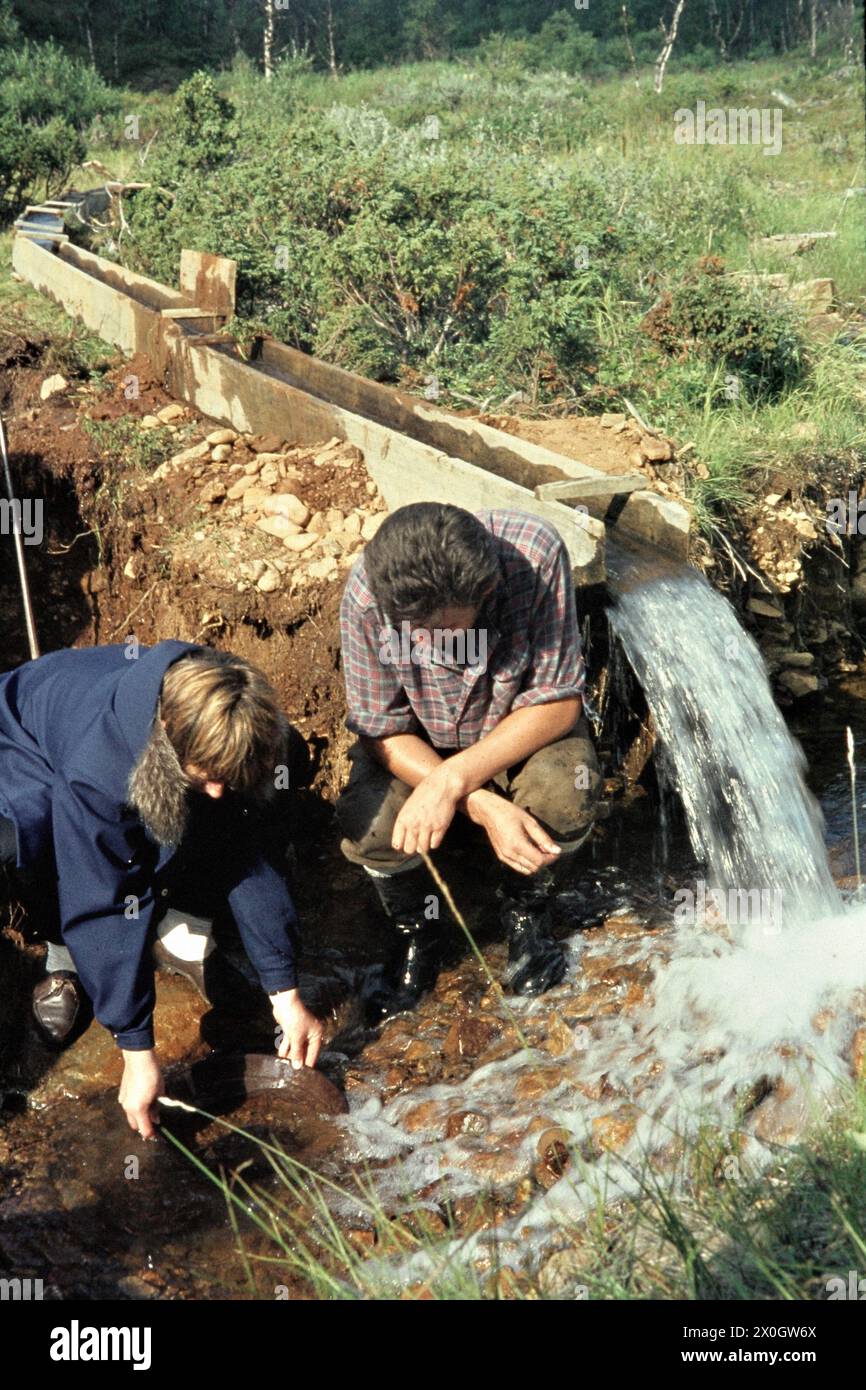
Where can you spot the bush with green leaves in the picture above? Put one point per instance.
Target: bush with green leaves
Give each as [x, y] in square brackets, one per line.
[726, 322]
[47, 100]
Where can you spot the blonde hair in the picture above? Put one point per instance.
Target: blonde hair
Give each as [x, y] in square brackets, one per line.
[221, 715]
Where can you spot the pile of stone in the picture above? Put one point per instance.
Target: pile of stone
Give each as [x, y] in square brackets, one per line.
[259, 484]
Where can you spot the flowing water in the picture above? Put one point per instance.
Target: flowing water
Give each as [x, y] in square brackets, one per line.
[743, 1000]
[736, 768]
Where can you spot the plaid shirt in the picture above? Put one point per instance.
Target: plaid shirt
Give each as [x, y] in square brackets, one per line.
[532, 654]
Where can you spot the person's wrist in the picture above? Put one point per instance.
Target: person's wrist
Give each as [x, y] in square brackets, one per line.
[454, 780]
[284, 996]
[138, 1057]
[479, 804]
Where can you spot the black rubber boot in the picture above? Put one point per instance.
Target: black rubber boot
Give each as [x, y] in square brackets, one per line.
[536, 961]
[417, 960]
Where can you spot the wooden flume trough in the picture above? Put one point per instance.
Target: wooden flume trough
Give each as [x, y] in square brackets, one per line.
[414, 450]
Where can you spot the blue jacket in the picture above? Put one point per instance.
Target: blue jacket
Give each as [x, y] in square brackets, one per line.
[72, 726]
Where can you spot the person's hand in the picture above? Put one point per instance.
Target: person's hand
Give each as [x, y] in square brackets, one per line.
[139, 1088]
[517, 838]
[426, 815]
[302, 1032]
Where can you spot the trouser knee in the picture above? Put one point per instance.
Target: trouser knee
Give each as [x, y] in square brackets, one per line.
[366, 811]
[560, 786]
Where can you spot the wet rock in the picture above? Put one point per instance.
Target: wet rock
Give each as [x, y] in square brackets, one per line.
[93, 1063]
[468, 1036]
[782, 1116]
[798, 683]
[502, 1166]
[466, 1122]
[427, 1116]
[52, 385]
[762, 609]
[540, 1081]
[614, 1131]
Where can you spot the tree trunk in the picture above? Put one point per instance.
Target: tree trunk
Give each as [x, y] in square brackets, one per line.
[667, 47]
[332, 48]
[813, 28]
[268, 40]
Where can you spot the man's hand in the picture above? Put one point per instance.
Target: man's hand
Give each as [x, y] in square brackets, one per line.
[302, 1031]
[139, 1088]
[427, 814]
[517, 838]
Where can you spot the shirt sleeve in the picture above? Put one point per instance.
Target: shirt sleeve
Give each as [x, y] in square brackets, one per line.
[262, 907]
[556, 670]
[106, 907]
[378, 704]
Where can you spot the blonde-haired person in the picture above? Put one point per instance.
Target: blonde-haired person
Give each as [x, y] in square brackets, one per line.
[135, 781]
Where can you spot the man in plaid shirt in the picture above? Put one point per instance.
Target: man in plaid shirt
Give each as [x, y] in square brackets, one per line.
[464, 678]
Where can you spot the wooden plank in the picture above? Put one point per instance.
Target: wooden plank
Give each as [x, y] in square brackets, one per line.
[406, 469]
[603, 487]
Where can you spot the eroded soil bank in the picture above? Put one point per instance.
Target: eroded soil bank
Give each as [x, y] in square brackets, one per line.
[159, 524]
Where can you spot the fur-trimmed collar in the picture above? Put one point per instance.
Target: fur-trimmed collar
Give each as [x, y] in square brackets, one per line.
[158, 789]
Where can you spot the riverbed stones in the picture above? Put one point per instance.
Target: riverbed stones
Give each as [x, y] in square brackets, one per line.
[221, 437]
[799, 683]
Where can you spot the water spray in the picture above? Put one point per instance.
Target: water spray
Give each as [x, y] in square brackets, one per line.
[29, 620]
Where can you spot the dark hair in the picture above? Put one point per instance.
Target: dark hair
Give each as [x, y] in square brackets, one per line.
[427, 556]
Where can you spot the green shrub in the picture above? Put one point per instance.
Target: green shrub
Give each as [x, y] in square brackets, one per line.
[41, 82]
[749, 332]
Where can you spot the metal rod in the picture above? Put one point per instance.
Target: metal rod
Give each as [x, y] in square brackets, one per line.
[30, 622]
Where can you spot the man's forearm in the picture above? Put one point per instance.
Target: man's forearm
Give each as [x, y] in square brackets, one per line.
[518, 736]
